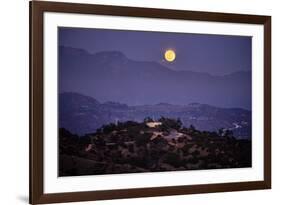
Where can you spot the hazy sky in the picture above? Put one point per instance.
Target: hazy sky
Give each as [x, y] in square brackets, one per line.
[214, 54]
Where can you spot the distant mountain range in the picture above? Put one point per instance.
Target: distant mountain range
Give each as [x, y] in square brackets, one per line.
[82, 114]
[111, 76]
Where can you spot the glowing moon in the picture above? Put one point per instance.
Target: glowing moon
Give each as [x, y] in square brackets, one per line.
[170, 55]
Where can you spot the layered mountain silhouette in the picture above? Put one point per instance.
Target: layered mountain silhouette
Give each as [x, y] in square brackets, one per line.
[111, 76]
[82, 114]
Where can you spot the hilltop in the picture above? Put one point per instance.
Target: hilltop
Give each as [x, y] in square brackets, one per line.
[150, 146]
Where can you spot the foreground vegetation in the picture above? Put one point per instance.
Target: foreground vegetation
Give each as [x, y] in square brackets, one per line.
[149, 146]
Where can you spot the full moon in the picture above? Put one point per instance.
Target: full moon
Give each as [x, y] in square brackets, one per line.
[170, 55]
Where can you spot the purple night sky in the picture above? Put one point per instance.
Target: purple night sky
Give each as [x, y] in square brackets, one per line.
[213, 54]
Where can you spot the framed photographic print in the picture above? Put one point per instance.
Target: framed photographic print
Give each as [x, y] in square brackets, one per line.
[137, 102]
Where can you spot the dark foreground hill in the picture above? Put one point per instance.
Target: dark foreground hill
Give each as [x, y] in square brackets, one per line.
[150, 146]
[82, 114]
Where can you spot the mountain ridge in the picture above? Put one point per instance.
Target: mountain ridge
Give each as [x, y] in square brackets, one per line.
[82, 114]
[121, 54]
[109, 77]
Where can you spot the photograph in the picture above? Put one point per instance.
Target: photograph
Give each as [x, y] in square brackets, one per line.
[129, 102]
[134, 101]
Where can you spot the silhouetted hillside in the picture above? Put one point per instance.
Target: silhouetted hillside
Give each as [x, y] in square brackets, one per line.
[150, 146]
